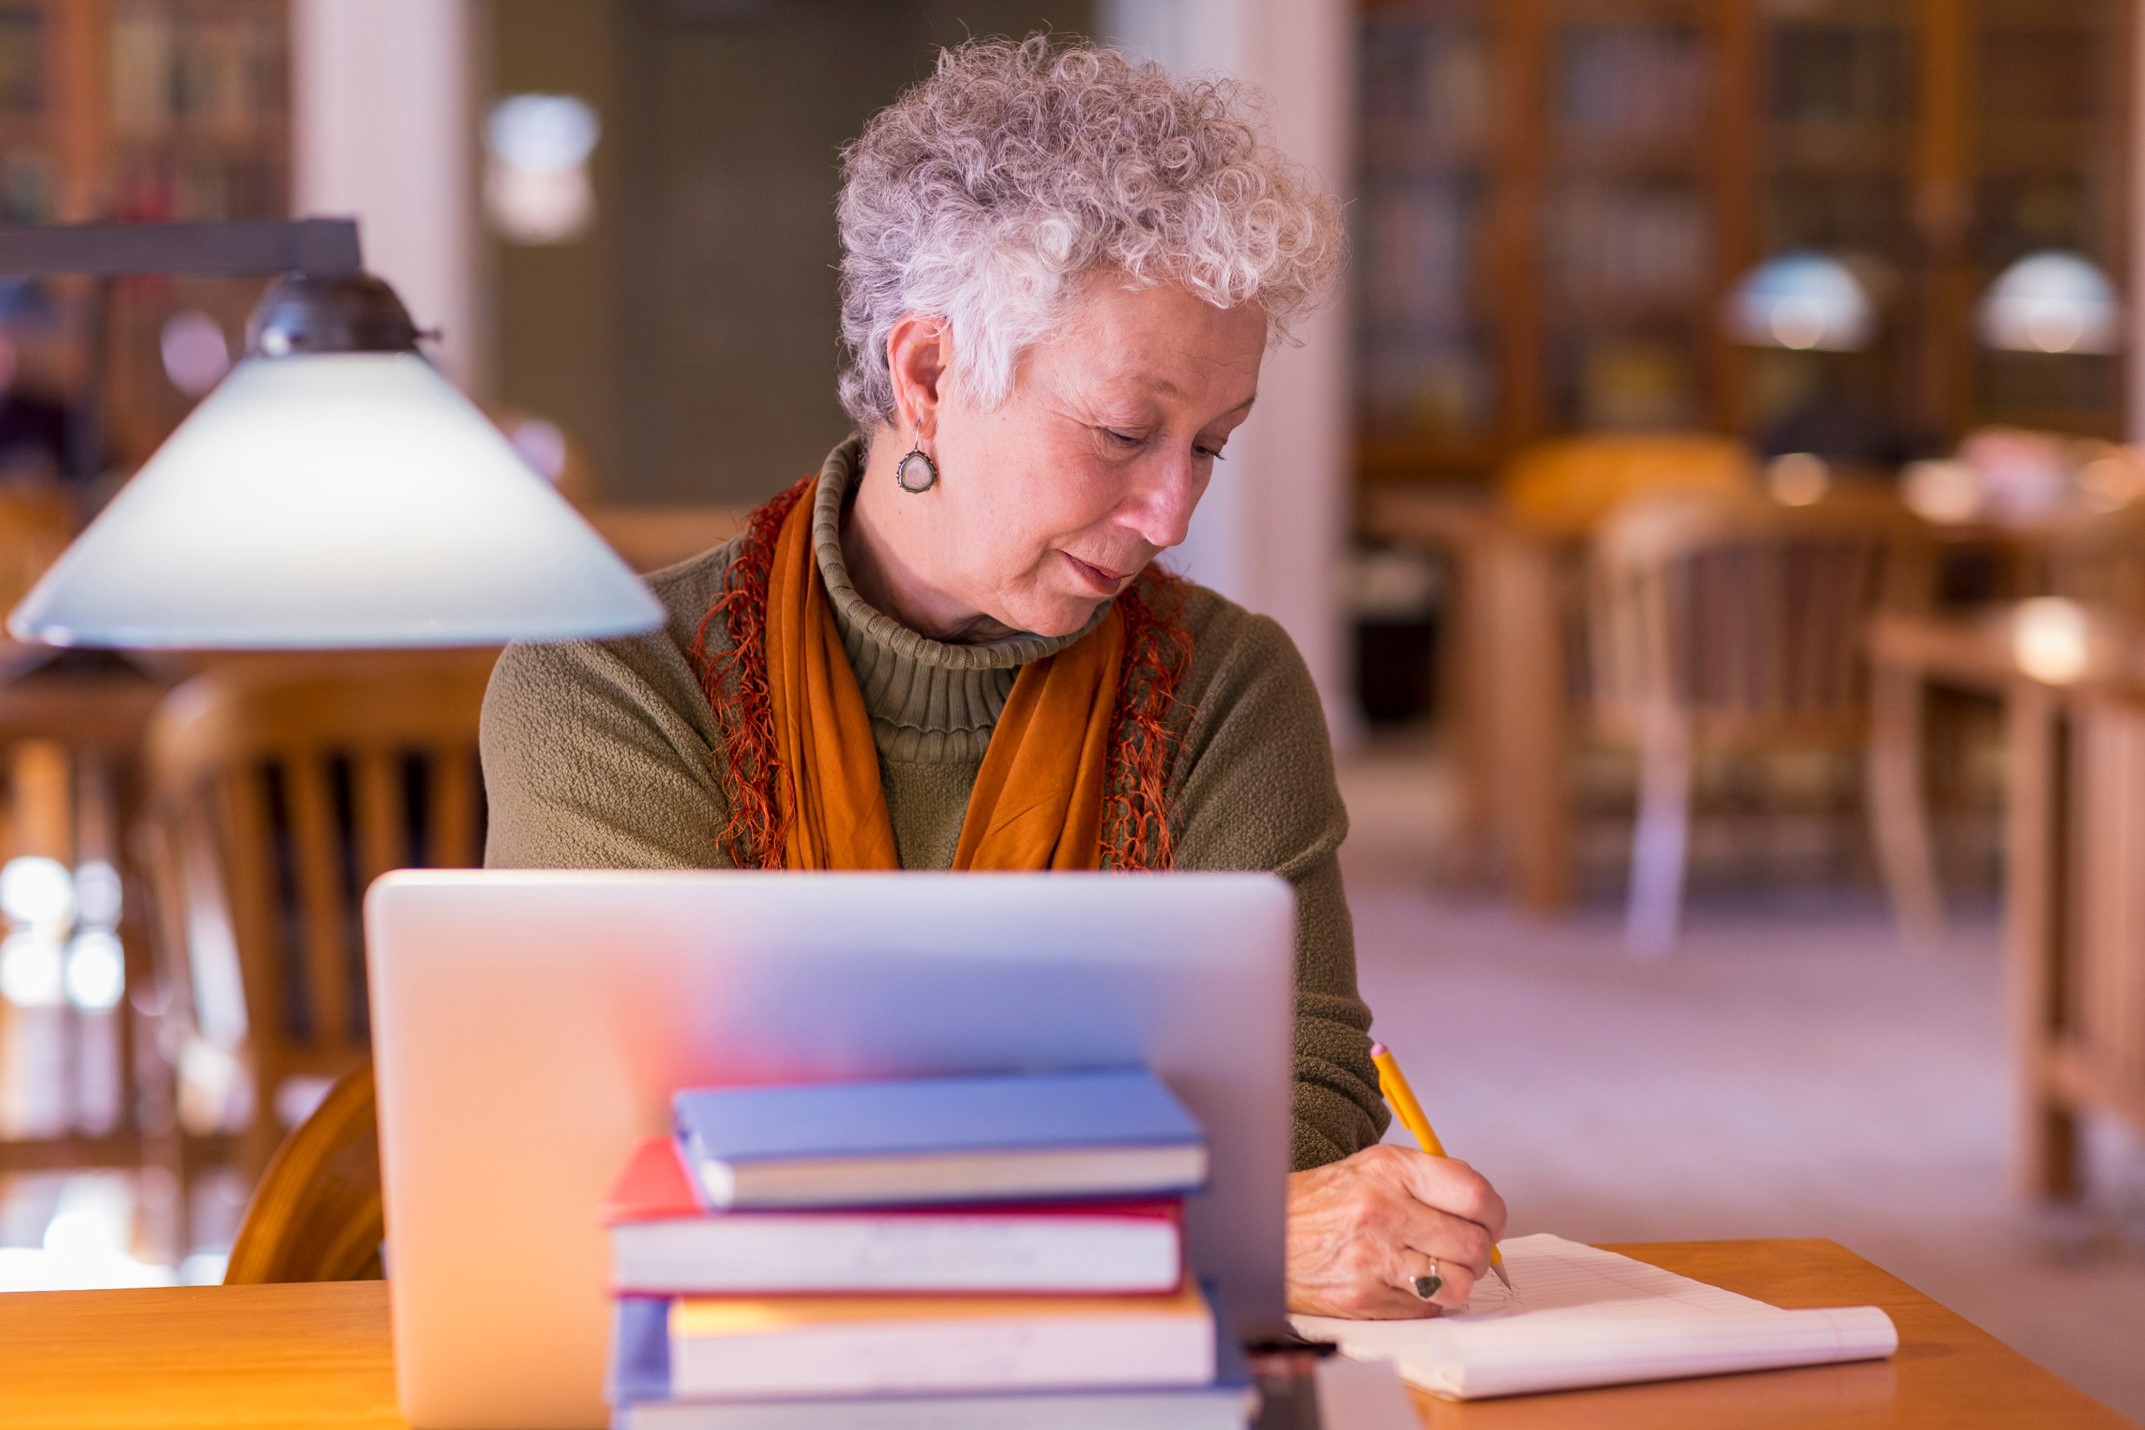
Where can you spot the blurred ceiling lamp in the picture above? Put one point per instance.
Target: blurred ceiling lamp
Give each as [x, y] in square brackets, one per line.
[536, 180]
[1805, 301]
[2053, 301]
[334, 491]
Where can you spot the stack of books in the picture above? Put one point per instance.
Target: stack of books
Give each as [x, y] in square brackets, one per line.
[940, 1252]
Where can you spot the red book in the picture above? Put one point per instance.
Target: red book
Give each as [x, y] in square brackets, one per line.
[663, 1242]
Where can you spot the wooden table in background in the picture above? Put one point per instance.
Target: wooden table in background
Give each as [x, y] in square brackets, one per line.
[319, 1355]
[1505, 683]
[2074, 861]
[1508, 681]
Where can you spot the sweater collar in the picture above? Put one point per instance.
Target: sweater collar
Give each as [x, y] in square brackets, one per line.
[931, 701]
[838, 477]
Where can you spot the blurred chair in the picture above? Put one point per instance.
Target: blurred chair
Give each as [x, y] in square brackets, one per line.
[74, 1092]
[1731, 622]
[315, 1216]
[280, 787]
[1567, 485]
[2099, 561]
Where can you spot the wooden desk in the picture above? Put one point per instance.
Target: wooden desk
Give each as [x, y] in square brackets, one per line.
[319, 1355]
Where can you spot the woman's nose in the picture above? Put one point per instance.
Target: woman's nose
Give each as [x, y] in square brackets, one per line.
[1161, 510]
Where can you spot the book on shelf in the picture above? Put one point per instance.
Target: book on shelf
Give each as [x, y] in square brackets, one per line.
[922, 1141]
[1633, 83]
[216, 73]
[1427, 82]
[663, 1241]
[644, 1397]
[23, 58]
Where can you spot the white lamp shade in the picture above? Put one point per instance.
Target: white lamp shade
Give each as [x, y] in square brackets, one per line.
[1801, 300]
[2053, 301]
[335, 500]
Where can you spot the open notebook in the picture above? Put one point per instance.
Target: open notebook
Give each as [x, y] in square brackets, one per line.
[1581, 1316]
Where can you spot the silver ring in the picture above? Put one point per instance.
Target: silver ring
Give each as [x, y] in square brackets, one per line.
[1427, 1287]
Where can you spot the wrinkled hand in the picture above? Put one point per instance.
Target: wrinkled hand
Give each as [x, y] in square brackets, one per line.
[1361, 1230]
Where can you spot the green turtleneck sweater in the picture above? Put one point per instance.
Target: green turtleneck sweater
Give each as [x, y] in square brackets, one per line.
[601, 754]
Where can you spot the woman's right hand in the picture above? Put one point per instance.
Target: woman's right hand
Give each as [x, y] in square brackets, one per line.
[1362, 1229]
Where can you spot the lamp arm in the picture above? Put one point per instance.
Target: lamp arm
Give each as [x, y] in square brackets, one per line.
[327, 247]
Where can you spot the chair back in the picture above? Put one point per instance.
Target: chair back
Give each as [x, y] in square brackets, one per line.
[279, 789]
[315, 1215]
[1567, 485]
[2099, 561]
[1743, 618]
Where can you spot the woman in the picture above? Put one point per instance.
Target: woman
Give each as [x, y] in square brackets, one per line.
[951, 649]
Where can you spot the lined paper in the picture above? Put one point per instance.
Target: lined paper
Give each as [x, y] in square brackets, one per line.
[1581, 1316]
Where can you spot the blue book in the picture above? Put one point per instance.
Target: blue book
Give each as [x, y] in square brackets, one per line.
[639, 1390]
[1110, 1133]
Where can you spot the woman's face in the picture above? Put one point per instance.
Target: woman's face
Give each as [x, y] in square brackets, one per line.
[1052, 502]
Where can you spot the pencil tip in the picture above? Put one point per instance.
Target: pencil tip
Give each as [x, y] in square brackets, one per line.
[1497, 1268]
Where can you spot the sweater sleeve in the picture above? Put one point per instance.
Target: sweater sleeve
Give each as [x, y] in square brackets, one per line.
[1258, 792]
[593, 760]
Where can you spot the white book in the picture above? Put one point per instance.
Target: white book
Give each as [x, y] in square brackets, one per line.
[824, 1347]
[1579, 1316]
[988, 1251]
[1211, 1408]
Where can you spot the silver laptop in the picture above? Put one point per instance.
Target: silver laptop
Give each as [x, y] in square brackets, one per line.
[529, 1026]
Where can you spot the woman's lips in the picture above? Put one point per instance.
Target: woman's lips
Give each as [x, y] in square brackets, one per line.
[1101, 578]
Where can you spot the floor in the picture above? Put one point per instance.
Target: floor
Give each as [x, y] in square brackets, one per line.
[1791, 1070]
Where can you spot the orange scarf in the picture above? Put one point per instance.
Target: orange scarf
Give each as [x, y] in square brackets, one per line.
[1078, 765]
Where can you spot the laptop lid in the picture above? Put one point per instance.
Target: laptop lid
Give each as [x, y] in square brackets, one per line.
[529, 1027]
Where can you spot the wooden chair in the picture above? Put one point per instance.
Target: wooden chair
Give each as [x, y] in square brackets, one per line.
[1734, 622]
[315, 1215]
[2099, 561]
[71, 728]
[279, 789]
[1568, 485]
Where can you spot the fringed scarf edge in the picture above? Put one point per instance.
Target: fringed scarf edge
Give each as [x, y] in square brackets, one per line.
[735, 681]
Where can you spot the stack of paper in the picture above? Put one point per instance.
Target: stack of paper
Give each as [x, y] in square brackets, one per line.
[1580, 1316]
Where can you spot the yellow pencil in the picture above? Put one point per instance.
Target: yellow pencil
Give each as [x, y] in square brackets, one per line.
[1394, 1085]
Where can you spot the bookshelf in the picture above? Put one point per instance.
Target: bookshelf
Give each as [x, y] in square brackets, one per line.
[143, 110]
[1556, 196]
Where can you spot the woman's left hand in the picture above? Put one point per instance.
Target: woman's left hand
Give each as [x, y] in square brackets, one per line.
[1361, 1230]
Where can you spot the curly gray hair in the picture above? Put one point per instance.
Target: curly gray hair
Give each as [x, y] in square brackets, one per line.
[985, 193]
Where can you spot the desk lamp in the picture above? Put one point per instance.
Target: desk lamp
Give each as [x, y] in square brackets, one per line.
[333, 491]
[2053, 301]
[1802, 300]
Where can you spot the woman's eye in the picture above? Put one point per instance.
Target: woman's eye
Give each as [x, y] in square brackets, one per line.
[1124, 439]
[1212, 454]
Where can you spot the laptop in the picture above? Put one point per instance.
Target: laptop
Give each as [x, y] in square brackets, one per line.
[529, 1027]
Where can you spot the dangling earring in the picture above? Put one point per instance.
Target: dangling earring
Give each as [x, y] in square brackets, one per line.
[922, 482]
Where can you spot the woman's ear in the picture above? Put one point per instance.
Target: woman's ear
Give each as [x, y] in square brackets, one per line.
[919, 358]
